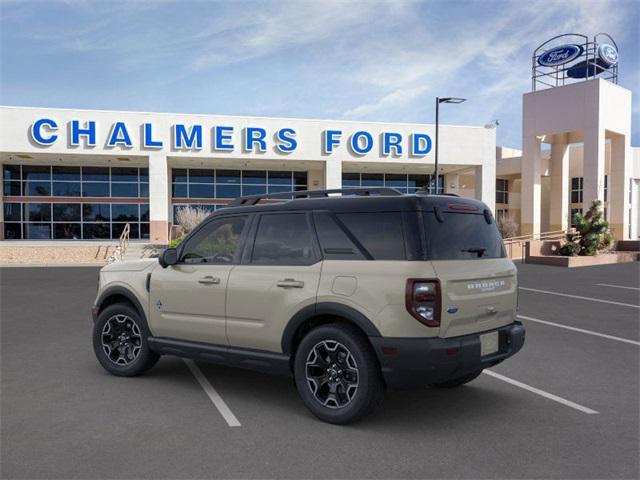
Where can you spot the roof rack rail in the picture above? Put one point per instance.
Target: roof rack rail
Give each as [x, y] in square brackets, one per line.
[250, 200]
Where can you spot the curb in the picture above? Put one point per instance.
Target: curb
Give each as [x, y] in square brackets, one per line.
[50, 265]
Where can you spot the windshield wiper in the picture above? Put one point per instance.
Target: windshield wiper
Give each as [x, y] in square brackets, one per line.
[477, 250]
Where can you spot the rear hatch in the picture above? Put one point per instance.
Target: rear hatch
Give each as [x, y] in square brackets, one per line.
[478, 283]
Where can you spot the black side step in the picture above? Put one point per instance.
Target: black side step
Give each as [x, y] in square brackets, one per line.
[258, 360]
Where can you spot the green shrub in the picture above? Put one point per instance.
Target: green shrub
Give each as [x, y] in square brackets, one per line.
[176, 241]
[591, 235]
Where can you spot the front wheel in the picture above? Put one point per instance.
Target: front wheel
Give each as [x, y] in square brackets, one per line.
[337, 374]
[120, 341]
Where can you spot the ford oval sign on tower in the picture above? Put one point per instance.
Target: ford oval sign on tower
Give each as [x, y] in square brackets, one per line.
[560, 55]
[571, 57]
[608, 54]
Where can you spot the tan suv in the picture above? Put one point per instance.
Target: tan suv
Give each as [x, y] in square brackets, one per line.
[348, 293]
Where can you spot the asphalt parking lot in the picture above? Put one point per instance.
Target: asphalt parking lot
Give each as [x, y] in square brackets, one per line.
[567, 406]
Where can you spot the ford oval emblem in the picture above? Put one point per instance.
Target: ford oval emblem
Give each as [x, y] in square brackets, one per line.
[560, 55]
[608, 54]
[452, 310]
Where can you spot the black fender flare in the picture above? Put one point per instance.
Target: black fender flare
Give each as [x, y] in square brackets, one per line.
[118, 290]
[325, 308]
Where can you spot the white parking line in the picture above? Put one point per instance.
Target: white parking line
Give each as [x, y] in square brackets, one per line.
[580, 297]
[581, 330]
[214, 396]
[616, 286]
[542, 393]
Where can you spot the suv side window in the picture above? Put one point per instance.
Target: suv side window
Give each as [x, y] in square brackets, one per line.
[284, 239]
[381, 234]
[334, 241]
[216, 242]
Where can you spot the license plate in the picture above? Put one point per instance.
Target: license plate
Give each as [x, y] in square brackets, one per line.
[488, 343]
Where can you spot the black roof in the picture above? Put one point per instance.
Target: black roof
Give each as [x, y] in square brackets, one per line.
[392, 202]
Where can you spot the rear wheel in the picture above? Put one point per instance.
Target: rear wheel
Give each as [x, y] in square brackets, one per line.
[120, 341]
[456, 382]
[337, 374]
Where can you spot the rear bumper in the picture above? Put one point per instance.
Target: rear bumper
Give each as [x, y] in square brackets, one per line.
[412, 362]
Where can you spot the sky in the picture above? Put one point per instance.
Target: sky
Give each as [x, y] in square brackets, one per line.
[345, 60]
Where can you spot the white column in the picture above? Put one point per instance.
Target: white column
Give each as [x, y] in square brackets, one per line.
[332, 174]
[531, 186]
[485, 179]
[593, 167]
[315, 179]
[559, 205]
[159, 198]
[451, 179]
[618, 188]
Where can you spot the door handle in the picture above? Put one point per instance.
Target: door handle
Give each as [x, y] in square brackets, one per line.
[209, 280]
[290, 283]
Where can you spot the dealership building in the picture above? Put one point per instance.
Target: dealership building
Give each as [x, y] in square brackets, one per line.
[85, 174]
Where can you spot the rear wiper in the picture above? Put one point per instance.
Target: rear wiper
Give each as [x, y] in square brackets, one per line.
[479, 250]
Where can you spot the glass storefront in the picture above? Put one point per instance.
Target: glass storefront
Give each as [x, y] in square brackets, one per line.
[406, 183]
[114, 197]
[197, 184]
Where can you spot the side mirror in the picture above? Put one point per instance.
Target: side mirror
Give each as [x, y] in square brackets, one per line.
[168, 257]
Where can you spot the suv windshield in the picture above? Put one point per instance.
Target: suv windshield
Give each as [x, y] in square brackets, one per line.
[462, 236]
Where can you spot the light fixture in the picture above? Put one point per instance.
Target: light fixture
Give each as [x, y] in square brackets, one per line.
[451, 100]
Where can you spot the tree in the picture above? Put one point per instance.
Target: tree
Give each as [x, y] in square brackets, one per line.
[190, 217]
[592, 233]
[508, 226]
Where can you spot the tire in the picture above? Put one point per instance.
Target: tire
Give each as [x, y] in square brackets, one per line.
[120, 341]
[349, 386]
[456, 382]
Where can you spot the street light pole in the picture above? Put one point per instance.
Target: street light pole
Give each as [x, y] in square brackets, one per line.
[437, 142]
[438, 102]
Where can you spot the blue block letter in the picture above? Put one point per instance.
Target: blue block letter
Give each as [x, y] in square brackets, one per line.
[421, 144]
[286, 140]
[330, 140]
[355, 142]
[391, 140]
[36, 131]
[89, 131]
[119, 136]
[184, 139]
[147, 138]
[253, 136]
[223, 135]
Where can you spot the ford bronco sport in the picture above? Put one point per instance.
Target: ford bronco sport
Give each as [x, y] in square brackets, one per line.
[349, 294]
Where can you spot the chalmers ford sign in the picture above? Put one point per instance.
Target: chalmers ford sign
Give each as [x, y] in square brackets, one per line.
[222, 138]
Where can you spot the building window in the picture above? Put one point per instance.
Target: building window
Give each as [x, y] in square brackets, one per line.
[224, 184]
[502, 213]
[576, 190]
[64, 181]
[502, 190]
[606, 187]
[65, 211]
[229, 184]
[400, 181]
[74, 221]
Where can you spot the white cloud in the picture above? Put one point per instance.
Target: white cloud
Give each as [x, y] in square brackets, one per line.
[488, 55]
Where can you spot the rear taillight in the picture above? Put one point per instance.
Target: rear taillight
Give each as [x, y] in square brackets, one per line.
[423, 301]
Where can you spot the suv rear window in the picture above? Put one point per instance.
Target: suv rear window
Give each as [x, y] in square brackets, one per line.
[462, 236]
[381, 234]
